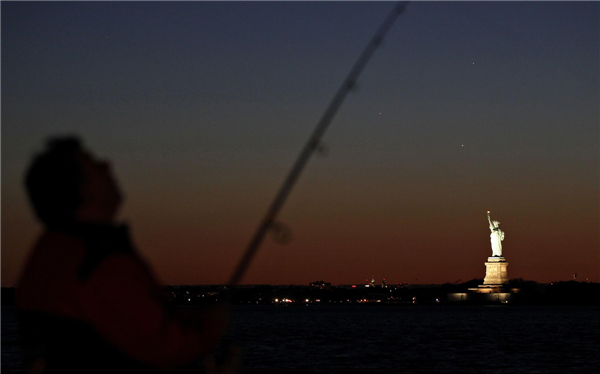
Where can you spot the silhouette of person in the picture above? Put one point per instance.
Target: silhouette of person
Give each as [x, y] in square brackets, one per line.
[87, 302]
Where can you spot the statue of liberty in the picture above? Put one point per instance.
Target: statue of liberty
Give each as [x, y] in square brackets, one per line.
[496, 237]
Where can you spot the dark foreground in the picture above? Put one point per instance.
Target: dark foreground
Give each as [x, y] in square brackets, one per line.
[401, 339]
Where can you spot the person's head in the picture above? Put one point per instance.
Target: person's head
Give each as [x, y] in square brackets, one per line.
[66, 184]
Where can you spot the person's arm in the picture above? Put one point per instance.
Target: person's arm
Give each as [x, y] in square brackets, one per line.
[122, 303]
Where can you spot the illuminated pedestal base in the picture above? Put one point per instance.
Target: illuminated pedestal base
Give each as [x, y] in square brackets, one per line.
[494, 288]
[495, 272]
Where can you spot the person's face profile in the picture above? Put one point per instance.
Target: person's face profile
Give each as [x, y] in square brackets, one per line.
[99, 188]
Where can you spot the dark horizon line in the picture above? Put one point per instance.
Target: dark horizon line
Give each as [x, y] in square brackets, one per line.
[356, 284]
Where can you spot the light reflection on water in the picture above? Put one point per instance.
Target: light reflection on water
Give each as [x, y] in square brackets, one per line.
[412, 339]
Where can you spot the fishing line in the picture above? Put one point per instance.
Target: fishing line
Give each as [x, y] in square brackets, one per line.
[313, 144]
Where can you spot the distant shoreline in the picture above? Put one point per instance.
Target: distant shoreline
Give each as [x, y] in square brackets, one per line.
[529, 293]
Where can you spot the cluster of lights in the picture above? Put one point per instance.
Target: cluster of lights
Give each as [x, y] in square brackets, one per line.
[283, 300]
[366, 301]
[286, 300]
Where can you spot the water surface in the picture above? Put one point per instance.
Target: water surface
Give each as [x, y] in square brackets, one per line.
[409, 339]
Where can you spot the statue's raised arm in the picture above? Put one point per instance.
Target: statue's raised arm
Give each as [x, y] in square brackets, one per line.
[490, 221]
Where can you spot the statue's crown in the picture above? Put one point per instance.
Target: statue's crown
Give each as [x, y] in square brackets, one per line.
[496, 223]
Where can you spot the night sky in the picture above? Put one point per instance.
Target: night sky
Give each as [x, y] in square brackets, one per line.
[203, 107]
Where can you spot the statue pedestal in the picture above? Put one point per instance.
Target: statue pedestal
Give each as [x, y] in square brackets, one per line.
[495, 272]
[494, 289]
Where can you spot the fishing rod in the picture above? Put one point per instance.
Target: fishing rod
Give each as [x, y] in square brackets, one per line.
[313, 144]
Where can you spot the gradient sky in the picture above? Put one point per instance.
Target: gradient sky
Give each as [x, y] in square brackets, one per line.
[203, 107]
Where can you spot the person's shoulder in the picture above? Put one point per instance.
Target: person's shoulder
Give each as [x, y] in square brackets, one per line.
[122, 261]
[60, 241]
[49, 277]
[54, 248]
[123, 267]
